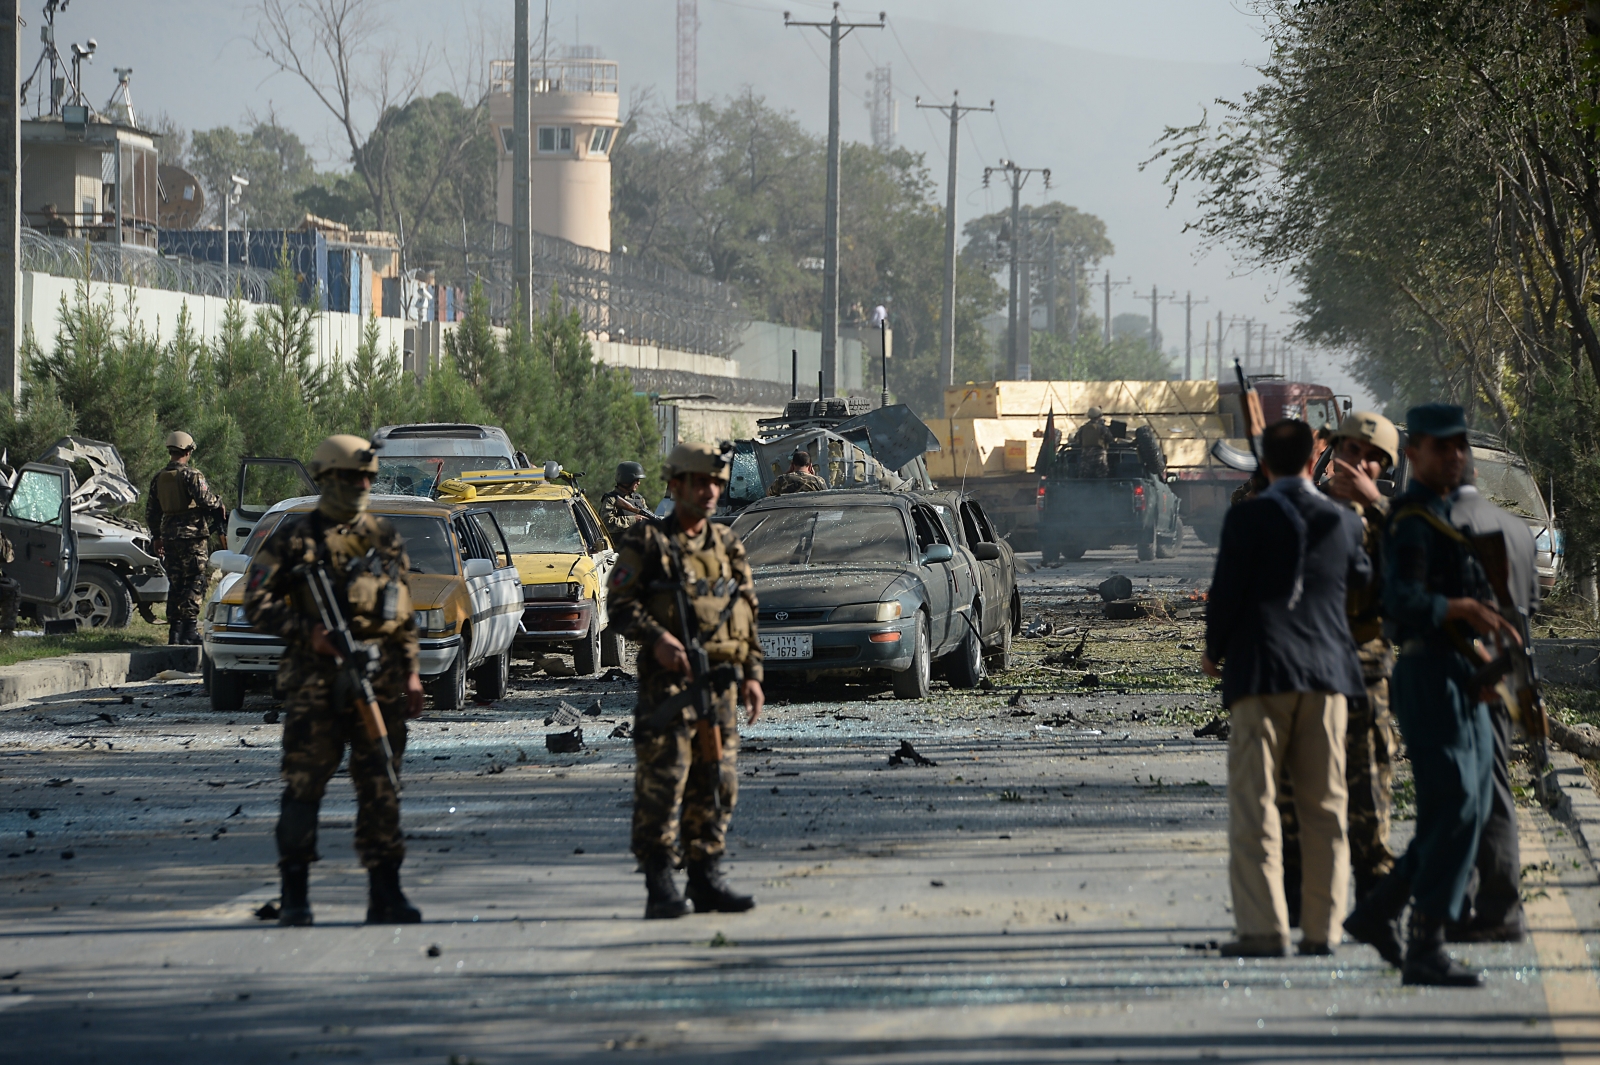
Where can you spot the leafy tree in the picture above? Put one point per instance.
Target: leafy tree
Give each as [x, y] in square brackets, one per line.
[273, 158]
[1080, 244]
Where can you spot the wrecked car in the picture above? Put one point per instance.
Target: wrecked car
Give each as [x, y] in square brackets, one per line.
[865, 583]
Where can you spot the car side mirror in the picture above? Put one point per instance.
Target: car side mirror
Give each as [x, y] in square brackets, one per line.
[477, 567]
[937, 553]
[230, 561]
[986, 552]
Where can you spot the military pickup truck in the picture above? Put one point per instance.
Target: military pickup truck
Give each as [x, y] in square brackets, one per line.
[1132, 504]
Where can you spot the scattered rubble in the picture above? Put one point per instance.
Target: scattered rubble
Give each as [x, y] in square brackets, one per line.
[1038, 628]
[1215, 727]
[908, 755]
[1017, 699]
[566, 714]
[623, 731]
[564, 742]
[595, 709]
[616, 674]
[1115, 587]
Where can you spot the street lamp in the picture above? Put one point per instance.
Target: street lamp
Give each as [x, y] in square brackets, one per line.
[232, 195]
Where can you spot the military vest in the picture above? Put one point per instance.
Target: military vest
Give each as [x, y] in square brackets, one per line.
[722, 617]
[172, 491]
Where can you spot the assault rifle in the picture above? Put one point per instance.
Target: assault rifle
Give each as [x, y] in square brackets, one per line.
[1250, 402]
[357, 661]
[1510, 668]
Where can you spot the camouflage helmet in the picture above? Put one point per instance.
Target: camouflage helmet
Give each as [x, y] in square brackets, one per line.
[178, 440]
[1371, 428]
[344, 452]
[628, 472]
[699, 458]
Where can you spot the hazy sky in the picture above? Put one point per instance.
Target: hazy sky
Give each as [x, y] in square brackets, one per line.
[1081, 86]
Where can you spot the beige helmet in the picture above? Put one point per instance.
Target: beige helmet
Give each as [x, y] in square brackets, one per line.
[344, 452]
[1373, 429]
[1095, 413]
[699, 458]
[180, 441]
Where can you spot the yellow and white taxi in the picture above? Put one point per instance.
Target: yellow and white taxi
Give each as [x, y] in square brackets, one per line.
[562, 554]
[463, 584]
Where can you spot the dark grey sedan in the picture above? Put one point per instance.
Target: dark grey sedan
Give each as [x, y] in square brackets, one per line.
[864, 582]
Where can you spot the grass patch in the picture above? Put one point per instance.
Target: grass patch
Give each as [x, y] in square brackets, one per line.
[139, 633]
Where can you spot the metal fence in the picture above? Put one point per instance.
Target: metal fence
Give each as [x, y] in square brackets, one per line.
[142, 267]
[627, 298]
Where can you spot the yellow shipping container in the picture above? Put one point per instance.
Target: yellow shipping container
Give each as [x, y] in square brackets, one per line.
[1035, 399]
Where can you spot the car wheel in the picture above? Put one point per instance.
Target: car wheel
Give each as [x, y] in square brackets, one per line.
[1071, 551]
[1168, 547]
[100, 599]
[612, 647]
[449, 689]
[205, 672]
[586, 652]
[227, 691]
[999, 659]
[915, 680]
[966, 668]
[1147, 546]
[492, 677]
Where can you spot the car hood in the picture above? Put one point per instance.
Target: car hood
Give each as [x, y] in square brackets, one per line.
[793, 586]
[551, 568]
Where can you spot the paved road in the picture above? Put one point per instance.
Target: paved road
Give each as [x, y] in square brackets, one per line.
[1044, 893]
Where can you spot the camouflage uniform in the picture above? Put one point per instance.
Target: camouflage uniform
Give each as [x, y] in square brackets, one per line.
[1371, 738]
[10, 591]
[368, 565]
[1091, 440]
[179, 509]
[794, 481]
[618, 519]
[666, 792]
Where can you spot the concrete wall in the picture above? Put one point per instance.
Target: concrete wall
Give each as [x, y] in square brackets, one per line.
[764, 354]
[157, 310]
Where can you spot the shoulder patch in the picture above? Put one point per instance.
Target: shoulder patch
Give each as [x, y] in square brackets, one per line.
[622, 575]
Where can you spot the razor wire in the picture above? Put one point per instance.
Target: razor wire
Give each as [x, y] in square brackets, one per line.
[629, 299]
[143, 267]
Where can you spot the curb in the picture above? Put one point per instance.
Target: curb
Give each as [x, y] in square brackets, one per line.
[71, 673]
[1572, 800]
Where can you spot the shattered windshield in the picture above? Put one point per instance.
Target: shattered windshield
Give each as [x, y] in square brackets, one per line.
[538, 526]
[1507, 486]
[799, 536]
[415, 475]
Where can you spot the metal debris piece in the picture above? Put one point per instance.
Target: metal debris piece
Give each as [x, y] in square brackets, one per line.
[908, 755]
[623, 731]
[1215, 727]
[566, 714]
[617, 674]
[1115, 587]
[1017, 699]
[564, 742]
[595, 709]
[1038, 628]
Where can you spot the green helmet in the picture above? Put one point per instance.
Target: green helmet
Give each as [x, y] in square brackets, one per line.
[344, 452]
[699, 458]
[628, 472]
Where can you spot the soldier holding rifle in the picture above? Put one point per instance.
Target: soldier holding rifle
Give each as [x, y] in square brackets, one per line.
[623, 507]
[333, 584]
[682, 590]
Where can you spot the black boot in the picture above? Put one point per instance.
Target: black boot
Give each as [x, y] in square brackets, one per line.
[174, 632]
[711, 894]
[664, 901]
[1376, 919]
[386, 903]
[294, 907]
[191, 633]
[1427, 962]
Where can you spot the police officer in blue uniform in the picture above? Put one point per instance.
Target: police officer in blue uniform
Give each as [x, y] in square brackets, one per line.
[1437, 599]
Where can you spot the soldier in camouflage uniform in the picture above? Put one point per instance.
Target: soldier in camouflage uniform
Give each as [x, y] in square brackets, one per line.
[10, 591]
[1366, 446]
[682, 803]
[623, 507]
[180, 509]
[1091, 440]
[367, 563]
[802, 477]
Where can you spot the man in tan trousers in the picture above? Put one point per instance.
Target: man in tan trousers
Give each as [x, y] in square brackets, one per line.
[1277, 635]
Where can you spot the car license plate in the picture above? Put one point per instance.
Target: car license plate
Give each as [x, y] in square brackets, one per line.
[787, 645]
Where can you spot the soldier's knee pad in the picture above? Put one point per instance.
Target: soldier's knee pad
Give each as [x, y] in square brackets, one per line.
[297, 828]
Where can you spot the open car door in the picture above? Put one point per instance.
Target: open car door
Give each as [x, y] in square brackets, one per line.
[37, 519]
[262, 483]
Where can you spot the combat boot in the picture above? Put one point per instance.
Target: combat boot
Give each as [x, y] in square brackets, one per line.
[1376, 918]
[386, 903]
[174, 633]
[664, 902]
[1427, 962]
[710, 893]
[294, 905]
[191, 633]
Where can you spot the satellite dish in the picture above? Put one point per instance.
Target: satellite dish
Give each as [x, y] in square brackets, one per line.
[182, 198]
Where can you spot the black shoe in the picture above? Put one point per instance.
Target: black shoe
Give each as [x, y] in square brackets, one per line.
[386, 903]
[711, 894]
[1254, 947]
[294, 906]
[1376, 918]
[1310, 948]
[664, 901]
[174, 633]
[1427, 963]
[1509, 929]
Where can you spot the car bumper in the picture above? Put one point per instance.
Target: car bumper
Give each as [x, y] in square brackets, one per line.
[252, 653]
[554, 622]
[847, 647]
[149, 586]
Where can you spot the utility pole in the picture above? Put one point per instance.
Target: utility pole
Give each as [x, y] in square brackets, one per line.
[1109, 285]
[10, 202]
[1050, 283]
[521, 163]
[1016, 177]
[1155, 300]
[947, 326]
[1022, 246]
[1188, 332]
[836, 31]
[688, 58]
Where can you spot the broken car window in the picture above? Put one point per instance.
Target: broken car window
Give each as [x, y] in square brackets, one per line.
[538, 526]
[37, 498]
[798, 536]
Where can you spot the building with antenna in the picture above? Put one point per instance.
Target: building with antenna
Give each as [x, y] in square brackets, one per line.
[883, 107]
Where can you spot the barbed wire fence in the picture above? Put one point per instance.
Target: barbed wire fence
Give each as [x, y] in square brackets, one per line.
[139, 266]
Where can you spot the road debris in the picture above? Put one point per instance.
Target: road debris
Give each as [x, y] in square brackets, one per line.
[564, 742]
[1069, 659]
[1089, 680]
[908, 755]
[1038, 628]
[434, 950]
[1017, 699]
[268, 911]
[566, 714]
[623, 731]
[617, 674]
[270, 717]
[595, 709]
[1215, 727]
[1115, 587]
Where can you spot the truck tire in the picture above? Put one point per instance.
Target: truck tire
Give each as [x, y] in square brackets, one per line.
[492, 678]
[1049, 554]
[586, 651]
[449, 689]
[966, 665]
[1072, 551]
[612, 647]
[1169, 546]
[100, 600]
[227, 691]
[915, 680]
[1147, 546]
